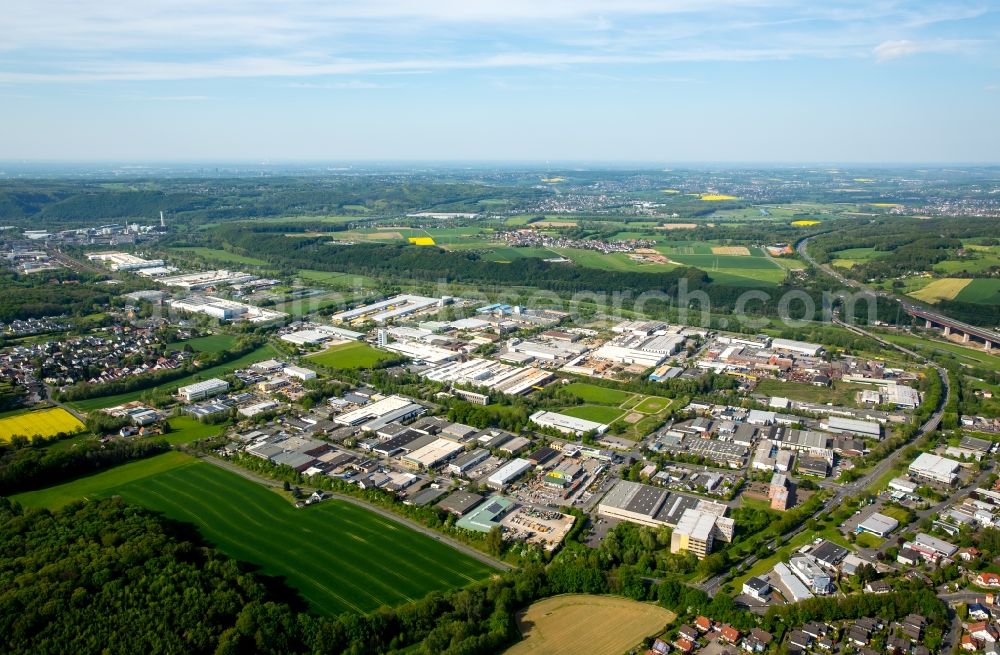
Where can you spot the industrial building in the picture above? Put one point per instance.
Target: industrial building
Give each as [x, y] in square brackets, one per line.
[567, 424]
[791, 583]
[697, 531]
[299, 372]
[877, 524]
[811, 574]
[644, 504]
[381, 412]
[434, 453]
[902, 396]
[869, 429]
[202, 390]
[509, 472]
[123, 261]
[491, 375]
[935, 468]
[226, 310]
[314, 334]
[486, 516]
[641, 350]
[385, 310]
[468, 460]
[206, 279]
[797, 347]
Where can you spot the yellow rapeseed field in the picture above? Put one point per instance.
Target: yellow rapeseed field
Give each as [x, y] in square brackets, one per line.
[714, 197]
[43, 423]
[422, 241]
[805, 223]
[943, 289]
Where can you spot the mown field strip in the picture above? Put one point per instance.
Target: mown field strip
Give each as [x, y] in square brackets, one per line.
[341, 557]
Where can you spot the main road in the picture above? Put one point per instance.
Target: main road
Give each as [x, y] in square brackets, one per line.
[711, 586]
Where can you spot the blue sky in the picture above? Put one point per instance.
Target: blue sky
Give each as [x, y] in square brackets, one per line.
[635, 80]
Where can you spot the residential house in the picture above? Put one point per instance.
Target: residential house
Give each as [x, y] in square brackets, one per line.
[800, 640]
[729, 634]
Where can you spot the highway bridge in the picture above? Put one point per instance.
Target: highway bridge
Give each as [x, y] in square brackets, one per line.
[950, 326]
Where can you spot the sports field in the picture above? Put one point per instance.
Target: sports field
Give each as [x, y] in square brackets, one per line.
[42, 423]
[600, 413]
[944, 289]
[340, 557]
[652, 405]
[643, 413]
[581, 623]
[591, 393]
[353, 355]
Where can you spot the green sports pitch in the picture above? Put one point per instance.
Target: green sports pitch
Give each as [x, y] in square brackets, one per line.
[352, 355]
[340, 557]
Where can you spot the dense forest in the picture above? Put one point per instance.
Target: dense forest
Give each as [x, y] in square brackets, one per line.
[74, 203]
[53, 294]
[25, 466]
[904, 245]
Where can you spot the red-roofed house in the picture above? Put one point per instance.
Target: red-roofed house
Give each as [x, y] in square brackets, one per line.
[988, 580]
[684, 645]
[703, 623]
[730, 634]
[983, 631]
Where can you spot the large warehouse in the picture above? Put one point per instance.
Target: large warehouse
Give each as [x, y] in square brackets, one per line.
[651, 506]
[385, 310]
[509, 472]
[936, 468]
[869, 429]
[201, 390]
[797, 347]
[567, 424]
[377, 414]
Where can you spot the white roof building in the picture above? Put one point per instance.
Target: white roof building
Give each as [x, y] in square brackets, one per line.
[205, 389]
[800, 347]
[935, 468]
[760, 417]
[567, 424]
[869, 429]
[877, 524]
[510, 471]
[434, 453]
[299, 372]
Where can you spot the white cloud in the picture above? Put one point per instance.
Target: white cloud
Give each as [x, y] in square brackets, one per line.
[63, 41]
[888, 50]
